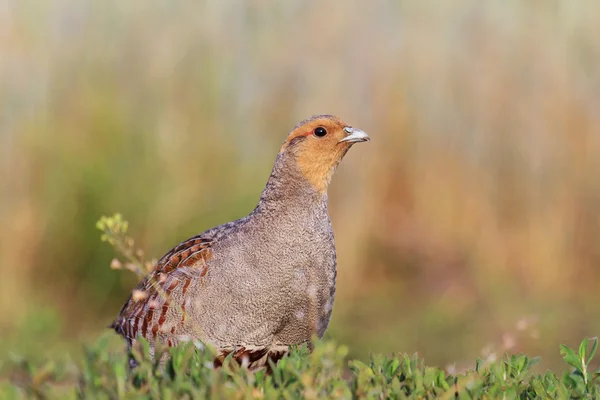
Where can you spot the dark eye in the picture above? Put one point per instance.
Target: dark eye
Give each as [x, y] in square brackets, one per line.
[320, 132]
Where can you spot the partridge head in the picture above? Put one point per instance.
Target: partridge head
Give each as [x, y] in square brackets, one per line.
[255, 286]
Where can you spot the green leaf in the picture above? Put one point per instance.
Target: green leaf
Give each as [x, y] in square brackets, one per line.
[594, 348]
[538, 387]
[582, 348]
[534, 361]
[478, 364]
[570, 357]
[120, 377]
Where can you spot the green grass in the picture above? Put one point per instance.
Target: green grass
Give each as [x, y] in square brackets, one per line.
[324, 373]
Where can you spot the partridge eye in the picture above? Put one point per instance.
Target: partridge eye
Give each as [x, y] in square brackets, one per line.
[320, 132]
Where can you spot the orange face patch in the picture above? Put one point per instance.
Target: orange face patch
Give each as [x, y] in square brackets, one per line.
[317, 148]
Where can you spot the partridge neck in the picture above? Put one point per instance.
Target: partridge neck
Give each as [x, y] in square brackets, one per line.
[288, 188]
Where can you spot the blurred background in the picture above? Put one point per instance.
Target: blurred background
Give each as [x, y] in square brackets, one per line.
[469, 226]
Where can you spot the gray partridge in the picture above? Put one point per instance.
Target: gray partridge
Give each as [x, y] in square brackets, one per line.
[255, 286]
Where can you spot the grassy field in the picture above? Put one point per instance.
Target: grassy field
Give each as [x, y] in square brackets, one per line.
[469, 227]
[324, 373]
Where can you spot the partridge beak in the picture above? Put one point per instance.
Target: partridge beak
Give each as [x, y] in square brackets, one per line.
[354, 135]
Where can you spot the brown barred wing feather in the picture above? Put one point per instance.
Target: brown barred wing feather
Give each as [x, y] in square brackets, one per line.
[157, 307]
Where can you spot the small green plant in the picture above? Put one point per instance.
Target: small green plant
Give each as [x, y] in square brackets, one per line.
[581, 379]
